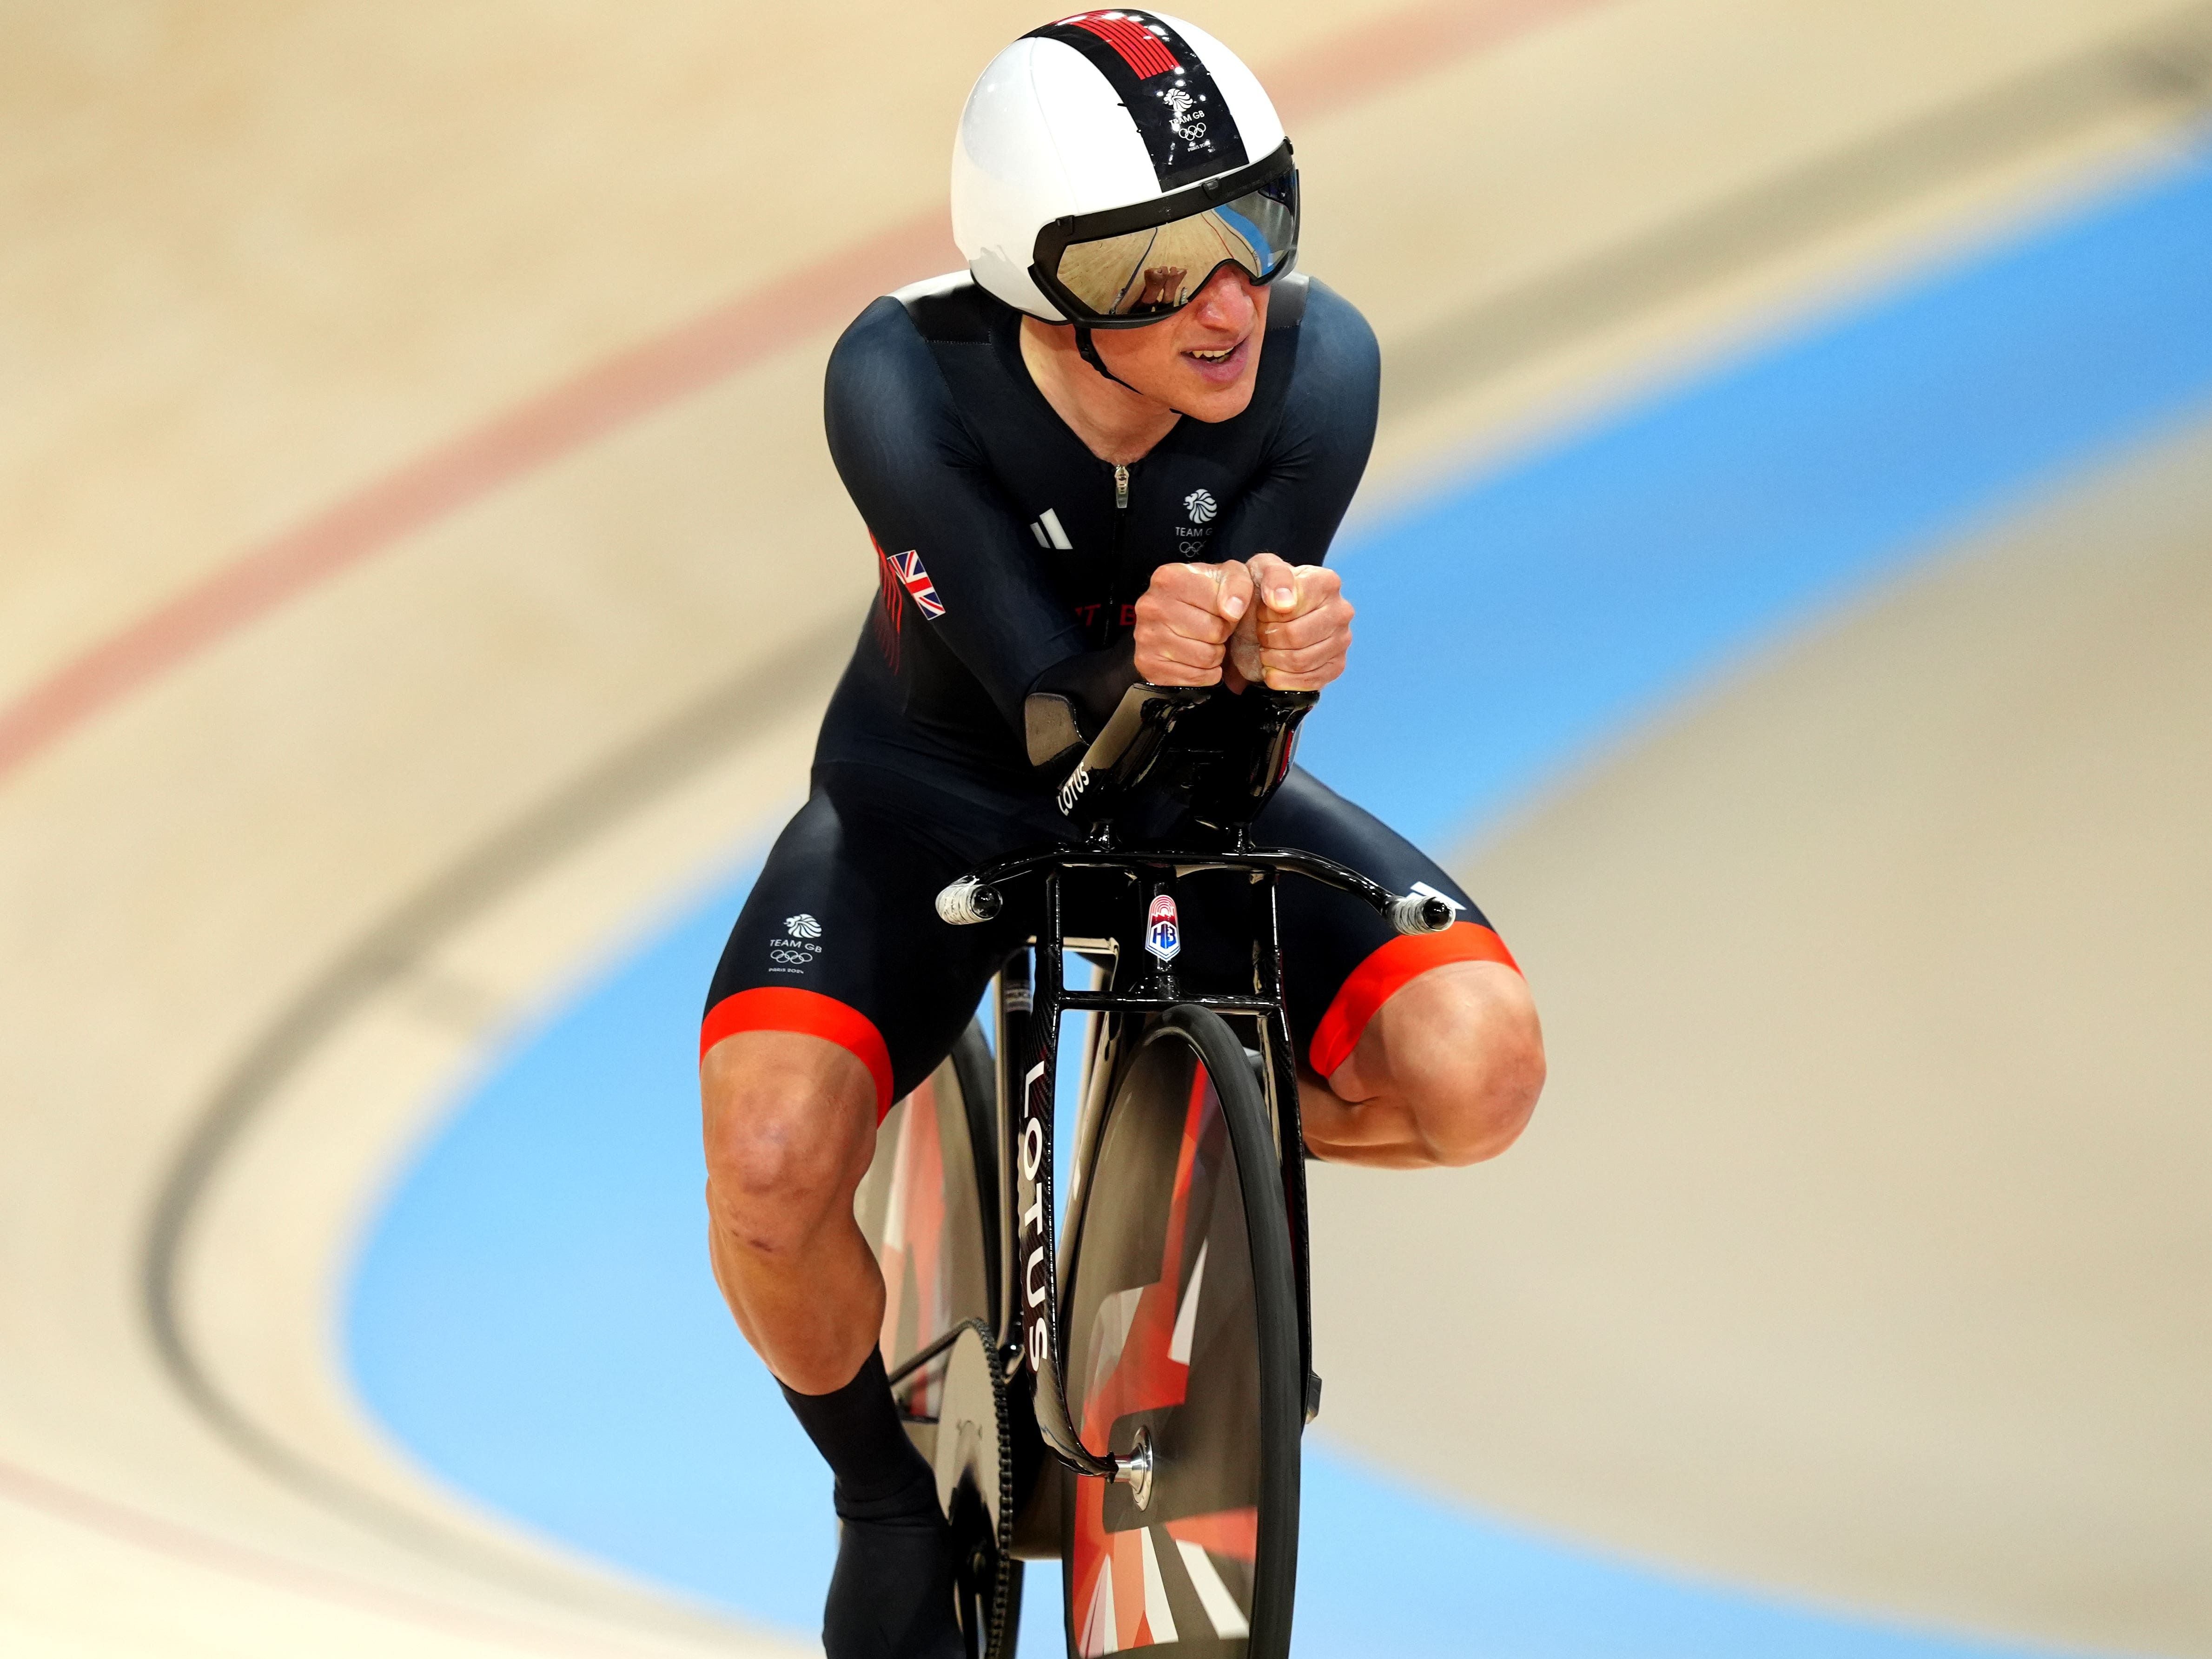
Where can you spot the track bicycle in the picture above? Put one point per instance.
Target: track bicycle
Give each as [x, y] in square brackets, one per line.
[1128, 1399]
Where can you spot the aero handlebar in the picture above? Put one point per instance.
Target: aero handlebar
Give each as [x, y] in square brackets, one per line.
[975, 898]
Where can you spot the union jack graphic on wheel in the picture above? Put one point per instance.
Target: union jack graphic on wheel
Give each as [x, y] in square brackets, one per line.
[908, 567]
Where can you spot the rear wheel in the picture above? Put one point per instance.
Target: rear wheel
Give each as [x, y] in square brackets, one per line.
[929, 1209]
[1182, 1333]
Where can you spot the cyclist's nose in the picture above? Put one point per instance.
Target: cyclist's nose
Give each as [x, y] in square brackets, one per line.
[1225, 301]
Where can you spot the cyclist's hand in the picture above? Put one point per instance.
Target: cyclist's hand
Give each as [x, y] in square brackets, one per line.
[1302, 623]
[1185, 619]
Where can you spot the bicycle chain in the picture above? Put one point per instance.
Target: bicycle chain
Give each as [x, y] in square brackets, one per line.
[999, 1642]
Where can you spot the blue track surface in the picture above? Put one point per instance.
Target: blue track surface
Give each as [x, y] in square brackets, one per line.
[1536, 612]
[532, 1314]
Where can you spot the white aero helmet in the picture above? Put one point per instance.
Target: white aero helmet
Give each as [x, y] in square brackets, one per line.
[1109, 163]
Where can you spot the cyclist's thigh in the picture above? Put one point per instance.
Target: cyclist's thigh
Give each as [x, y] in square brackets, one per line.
[1342, 959]
[841, 939]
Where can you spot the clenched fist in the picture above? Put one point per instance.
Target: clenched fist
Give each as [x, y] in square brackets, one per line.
[1197, 624]
[1297, 637]
[1185, 619]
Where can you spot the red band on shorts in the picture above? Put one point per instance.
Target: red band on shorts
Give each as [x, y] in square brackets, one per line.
[782, 1008]
[1384, 973]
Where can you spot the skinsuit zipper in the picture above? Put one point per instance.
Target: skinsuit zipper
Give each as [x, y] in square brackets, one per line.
[1110, 620]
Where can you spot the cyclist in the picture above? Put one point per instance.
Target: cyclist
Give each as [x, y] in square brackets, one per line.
[1115, 448]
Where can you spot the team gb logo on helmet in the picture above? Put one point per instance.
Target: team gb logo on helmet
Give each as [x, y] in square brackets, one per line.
[1181, 122]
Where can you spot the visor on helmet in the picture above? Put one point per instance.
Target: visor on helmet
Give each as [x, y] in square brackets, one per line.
[1129, 266]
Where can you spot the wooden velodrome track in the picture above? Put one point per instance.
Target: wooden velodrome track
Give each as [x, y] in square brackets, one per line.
[421, 562]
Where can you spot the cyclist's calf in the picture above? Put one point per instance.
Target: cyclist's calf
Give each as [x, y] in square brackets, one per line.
[1447, 1072]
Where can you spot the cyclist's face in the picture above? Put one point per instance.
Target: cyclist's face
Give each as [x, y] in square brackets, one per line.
[1205, 359]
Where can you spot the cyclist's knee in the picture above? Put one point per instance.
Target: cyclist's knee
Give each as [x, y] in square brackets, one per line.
[789, 1129]
[1464, 1056]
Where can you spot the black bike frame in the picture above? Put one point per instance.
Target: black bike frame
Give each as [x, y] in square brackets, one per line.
[1033, 994]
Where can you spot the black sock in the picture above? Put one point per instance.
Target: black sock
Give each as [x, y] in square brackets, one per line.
[880, 1476]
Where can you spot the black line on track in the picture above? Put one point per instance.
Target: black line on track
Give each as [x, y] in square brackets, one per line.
[2165, 68]
[724, 720]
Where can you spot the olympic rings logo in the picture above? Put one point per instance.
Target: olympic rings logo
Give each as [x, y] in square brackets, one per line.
[792, 959]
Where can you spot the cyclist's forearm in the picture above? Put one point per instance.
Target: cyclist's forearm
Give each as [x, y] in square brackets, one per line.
[1093, 681]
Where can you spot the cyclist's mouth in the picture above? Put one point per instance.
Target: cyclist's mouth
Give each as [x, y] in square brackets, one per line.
[1222, 364]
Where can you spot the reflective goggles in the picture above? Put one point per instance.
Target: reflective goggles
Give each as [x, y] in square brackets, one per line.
[1125, 267]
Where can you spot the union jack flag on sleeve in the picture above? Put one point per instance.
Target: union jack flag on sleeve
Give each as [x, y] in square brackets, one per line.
[908, 567]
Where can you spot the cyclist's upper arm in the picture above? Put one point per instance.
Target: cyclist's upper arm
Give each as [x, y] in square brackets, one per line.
[921, 483]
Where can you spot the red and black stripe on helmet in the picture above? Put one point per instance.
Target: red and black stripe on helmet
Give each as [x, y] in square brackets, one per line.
[1165, 85]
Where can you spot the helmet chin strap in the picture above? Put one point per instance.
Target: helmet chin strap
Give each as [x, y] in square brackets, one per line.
[1085, 345]
[1089, 347]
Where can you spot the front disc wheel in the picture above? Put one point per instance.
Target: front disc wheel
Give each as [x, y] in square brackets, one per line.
[1182, 1336]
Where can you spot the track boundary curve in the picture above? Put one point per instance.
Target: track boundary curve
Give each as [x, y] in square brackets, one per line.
[724, 721]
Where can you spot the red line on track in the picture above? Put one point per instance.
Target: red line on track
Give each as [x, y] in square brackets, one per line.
[1359, 64]
[445, 479]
